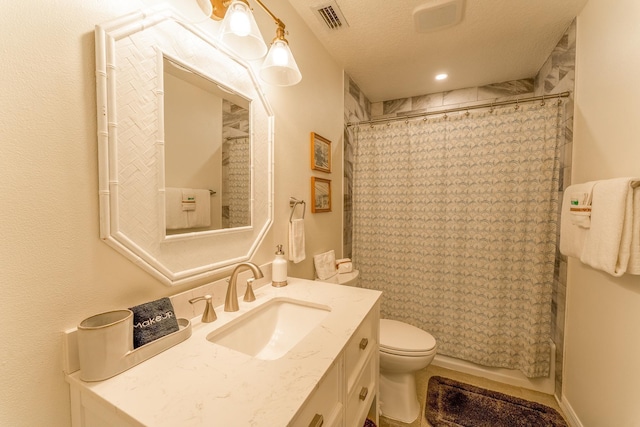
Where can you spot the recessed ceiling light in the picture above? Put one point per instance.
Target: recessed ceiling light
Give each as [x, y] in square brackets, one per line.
[442, 76]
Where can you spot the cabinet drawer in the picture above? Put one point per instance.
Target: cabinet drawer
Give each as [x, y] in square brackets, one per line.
[325, 401]
[360, 398]
[363, 342]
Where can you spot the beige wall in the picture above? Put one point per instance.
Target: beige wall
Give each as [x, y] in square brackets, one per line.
[55, 271]
[602, 362]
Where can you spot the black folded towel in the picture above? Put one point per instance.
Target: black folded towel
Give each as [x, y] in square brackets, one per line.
[153, 320]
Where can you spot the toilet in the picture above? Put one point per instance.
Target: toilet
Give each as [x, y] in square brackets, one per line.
[404, 350]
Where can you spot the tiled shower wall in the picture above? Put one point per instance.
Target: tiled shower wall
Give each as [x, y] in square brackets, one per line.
[558, 75]
[356, 108]
[555, 76]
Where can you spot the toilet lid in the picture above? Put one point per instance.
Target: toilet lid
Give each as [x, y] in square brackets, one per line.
[398, 336]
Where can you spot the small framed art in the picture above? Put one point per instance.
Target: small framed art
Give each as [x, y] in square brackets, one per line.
[320, 194]
[320, 153]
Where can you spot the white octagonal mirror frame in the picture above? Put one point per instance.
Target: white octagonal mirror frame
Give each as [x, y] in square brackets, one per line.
[129, 52]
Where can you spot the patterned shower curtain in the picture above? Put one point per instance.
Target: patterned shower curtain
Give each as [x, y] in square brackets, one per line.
[455, 221]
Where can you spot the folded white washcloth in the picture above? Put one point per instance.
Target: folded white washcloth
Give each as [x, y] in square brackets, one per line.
[572, 235]
[608, 242]
[344, 265]
[176, 218]
[296, 240]
[325, 264]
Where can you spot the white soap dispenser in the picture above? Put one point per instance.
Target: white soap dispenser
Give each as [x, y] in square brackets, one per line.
[279, 269]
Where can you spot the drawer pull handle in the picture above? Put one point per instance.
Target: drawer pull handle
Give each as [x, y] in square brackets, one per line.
[364, 342]
[363, 393]
[317, 421]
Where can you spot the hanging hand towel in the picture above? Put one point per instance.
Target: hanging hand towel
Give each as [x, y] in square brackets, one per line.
[325, 264]
[607, 245]
[176, 218]
[634, 255]
[572, 235]
[201, 215]
[296, 240]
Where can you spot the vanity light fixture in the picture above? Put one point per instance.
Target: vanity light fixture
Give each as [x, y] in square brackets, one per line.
[240, 32]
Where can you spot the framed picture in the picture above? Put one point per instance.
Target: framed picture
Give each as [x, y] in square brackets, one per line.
[320, 153]
[320, 194]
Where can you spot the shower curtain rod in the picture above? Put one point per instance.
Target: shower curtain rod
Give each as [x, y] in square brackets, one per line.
[457, 109]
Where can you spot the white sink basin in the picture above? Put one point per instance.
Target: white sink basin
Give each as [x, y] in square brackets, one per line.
[271, 330]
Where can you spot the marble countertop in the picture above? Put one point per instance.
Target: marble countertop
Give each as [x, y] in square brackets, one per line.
[199, 383]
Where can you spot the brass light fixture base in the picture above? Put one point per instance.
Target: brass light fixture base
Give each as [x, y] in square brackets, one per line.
[219, 9]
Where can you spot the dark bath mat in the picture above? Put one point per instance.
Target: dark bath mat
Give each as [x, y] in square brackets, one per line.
[454, 404]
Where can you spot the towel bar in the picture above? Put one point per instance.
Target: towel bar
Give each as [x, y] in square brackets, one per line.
[293, 202]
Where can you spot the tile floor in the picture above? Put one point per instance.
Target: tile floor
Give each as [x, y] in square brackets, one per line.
[422, 379]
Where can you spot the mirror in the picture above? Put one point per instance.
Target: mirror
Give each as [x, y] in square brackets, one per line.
[207, 153]
[145, 62]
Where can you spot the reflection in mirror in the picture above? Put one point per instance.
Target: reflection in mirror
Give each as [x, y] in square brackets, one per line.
[207, 153]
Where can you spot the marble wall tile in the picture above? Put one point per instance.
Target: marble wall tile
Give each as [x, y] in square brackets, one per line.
[377, 109]
[557, 75]
[424, 102]
[357, 108]
[510, 88]
[460, 96]
[396, 106]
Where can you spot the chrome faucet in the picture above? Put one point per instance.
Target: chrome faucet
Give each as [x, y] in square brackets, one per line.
[231, 300]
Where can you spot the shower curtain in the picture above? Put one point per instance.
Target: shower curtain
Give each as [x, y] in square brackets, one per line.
[455, 221]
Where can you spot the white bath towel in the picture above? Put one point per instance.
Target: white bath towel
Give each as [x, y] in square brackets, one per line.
[572, 235]
[296, 240]
[176, 218]
[608, 242]
[200, 216]
[634, 255]
[325, 264]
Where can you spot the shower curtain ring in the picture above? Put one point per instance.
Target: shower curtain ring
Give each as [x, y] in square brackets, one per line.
[517, 107]
[492, 107]
[543, 103]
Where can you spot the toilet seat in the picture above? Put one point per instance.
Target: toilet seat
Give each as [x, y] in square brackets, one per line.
[403, 339]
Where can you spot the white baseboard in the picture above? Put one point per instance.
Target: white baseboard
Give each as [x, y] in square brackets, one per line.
[569, 413]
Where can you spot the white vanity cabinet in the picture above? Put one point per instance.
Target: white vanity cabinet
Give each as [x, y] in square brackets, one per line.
[348, 393]
[329, 378]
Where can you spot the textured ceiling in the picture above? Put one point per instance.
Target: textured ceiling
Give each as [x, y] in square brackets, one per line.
[496, 41]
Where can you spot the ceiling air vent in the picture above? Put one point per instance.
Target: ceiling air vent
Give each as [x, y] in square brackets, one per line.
[331, 15]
